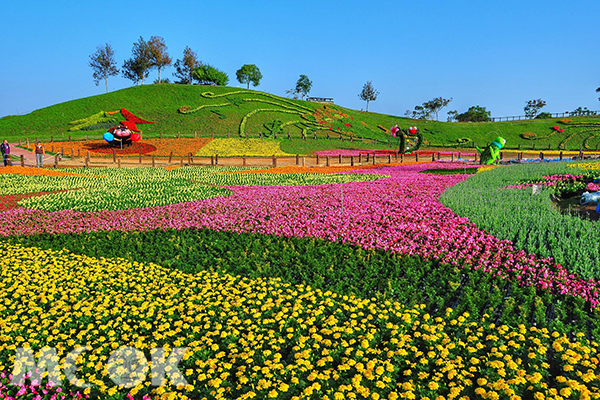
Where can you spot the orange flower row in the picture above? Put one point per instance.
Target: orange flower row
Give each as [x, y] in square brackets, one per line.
[35, 171]
[164, 147]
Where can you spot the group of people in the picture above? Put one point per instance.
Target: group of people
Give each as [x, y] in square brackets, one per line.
[38, 150]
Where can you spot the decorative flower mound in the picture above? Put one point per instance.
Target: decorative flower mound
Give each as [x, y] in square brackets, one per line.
[400, 214]
[236, 147]
[265, 339]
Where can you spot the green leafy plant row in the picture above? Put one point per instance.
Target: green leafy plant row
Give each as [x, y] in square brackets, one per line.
[531, 221]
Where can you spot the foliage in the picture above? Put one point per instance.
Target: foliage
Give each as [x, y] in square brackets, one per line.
[138, 66]
[303, 86]
[208, 75]
[582, 112]
[184, 69]
[533, 107]
[368, 93]
[249, 73]
[452, 115]
[158, 82]
[474, 114]
[159, 58]
[103, 64]
[434, 106]
[543, 115]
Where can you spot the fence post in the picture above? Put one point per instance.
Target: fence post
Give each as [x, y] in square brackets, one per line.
[560, 156]
[416, 157]
[212, 135]
[317, 159]
[195, 134]
[289, 136]
[87, 162]
[78, 153]
[216, 159]
[51, 139]
[401, 157]
[389, 158]
[534, 146]
[339, 158]
[541, 156]
[297, 160]
[274, 161]
[519, 147]
[153, 162]
[56, 161]
[458, 155]
[86, 136]
[189, 158]
[114, 156]
[178, 135]
[352, 161]
[228, 135]
[72, 154]
[452, 157]
[373, 158]
[432, 157]
[244, 160]
[181, 161]
[170, 156]
[161, 135]
[549, 147]
[140, 160]
[327, 161]
[119, 162]
[69, 138]
[22, 160]
[212, 160]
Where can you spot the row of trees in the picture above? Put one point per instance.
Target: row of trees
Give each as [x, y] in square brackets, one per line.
[153, 54]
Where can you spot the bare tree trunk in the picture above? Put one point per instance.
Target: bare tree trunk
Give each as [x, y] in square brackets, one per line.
[367, 105]
[159, 81]
[106, 82]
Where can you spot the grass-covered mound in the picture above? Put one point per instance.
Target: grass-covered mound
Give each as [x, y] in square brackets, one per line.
[209, 111]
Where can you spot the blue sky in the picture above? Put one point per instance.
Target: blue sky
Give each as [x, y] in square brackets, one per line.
[493, 54]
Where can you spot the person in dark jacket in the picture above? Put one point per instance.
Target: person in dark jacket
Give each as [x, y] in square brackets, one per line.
[5, 150]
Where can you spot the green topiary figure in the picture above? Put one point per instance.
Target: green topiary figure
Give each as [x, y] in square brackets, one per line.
[491, 154]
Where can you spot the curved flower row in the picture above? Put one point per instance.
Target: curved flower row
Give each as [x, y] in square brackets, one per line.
[265, 339]
[401, 214]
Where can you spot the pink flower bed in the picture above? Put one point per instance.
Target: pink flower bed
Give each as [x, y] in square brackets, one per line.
[401, 214]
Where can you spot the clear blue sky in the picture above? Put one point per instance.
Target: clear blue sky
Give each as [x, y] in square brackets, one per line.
[494, 54]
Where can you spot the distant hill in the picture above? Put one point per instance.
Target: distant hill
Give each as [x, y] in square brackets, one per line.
[208, 111]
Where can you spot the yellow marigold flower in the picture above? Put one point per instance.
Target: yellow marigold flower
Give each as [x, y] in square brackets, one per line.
[433, 385]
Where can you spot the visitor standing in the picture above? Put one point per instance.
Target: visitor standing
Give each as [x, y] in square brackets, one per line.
[38, 150]
[5, 150]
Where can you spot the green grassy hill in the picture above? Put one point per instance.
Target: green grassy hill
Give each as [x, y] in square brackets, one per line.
[222, 111]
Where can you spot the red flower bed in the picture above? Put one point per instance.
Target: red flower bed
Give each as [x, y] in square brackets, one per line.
[135, 148]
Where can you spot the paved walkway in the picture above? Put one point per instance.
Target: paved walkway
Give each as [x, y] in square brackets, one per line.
[28, 156]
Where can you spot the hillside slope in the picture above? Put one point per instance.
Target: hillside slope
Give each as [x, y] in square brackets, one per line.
[208, 111]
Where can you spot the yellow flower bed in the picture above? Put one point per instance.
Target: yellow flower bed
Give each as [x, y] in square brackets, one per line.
[238, 147]
[586, 166]
[266, 339]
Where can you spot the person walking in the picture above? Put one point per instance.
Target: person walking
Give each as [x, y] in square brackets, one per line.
[38, 150]
[5, 150]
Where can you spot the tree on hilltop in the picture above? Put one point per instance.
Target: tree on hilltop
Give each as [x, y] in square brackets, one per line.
[533, 107]
[138, 66]
[159, 57]
[368, 93]
[429, 109]
[209, 75]
[475, 114]
[303, 86]
[103, 64]
[249, 73]
[185, 68]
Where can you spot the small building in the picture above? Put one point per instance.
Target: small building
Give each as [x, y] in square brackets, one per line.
[320, 99]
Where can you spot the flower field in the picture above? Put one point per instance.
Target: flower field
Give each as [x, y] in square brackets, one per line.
[349, 283]
[237, 147]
